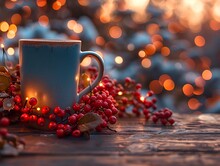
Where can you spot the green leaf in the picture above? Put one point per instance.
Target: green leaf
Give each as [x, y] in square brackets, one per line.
[89, 121]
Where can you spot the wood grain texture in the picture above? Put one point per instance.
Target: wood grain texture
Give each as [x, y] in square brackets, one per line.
[194, 140]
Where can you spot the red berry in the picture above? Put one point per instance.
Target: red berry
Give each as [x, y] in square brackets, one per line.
[135, 110]
[60, 133]
[163, 121]
[72, 119]
[80, 115]
[57, 110]
[61, 113]
[150, 93]
[147, 116]
[16, 107]
[108, 112]
[93, 98]
[17, 98]
[171, 121]
[52, 125]
[52, 117]
[24, 117]
[105, 104]
[76, 107]
[128, 80]
[67, 129]
[87, 108]
[60, 126]
[104, 124]
[12, 88]
[45, 110]
[98, 103]
[167, 114]
[112, 119]
[85, 98]
[138, 86]
[25, 110]
[4, 122]
[146, 111]
[114, 111]
[154, 100]
[33, 118]
[154, 119]
[33, 101]
[76, 133]
[3, 131]
[41, 121]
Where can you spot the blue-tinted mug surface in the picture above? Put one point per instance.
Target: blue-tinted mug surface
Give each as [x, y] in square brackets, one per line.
[50, 71]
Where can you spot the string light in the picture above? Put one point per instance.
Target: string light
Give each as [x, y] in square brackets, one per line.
[142, 98]
[120, 93]
[2, 46]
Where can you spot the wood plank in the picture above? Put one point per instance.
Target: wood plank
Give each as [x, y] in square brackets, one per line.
[194, 140]
[177, 159]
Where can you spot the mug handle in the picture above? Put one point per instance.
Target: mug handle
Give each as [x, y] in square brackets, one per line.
[100, 61]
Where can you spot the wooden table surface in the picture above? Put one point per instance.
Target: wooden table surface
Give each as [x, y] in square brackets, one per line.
[194, 140]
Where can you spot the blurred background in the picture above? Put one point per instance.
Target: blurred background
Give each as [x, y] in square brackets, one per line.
[170, 46]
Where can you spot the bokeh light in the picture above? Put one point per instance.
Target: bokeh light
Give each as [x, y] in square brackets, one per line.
[206, 74]
[115, 32]
[199, 41]
[146, 63]
[155, 86]
[118, 59]
[169, 85]
[194, 104]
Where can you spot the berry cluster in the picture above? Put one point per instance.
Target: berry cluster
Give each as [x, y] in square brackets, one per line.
[95, 111]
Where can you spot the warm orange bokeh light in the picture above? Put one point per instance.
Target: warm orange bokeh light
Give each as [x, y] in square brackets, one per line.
[41, 3]
[155, 86]
[199, 41]
[200, 82]
[198, 91]
[141, 53]
[100, 41]
[56, 5]
[206, 74]
[165, 51]
[13, 27]
[188, 89]
[194, 104]
[146, 63]
[16, 19]
[115, 32]
[27, 11]
[214, 25]
[83, 2]
[4, 26]
[10, 51]
[118, 60]
[153, 28]
[10, 34]
[86, 62]
[163, 78]
[150, 49]
[62, 2]
[71, 24]
[169, 85]
[78, 28]
[43, 20]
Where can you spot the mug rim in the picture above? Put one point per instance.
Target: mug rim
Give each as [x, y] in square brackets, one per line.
[48, 41]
